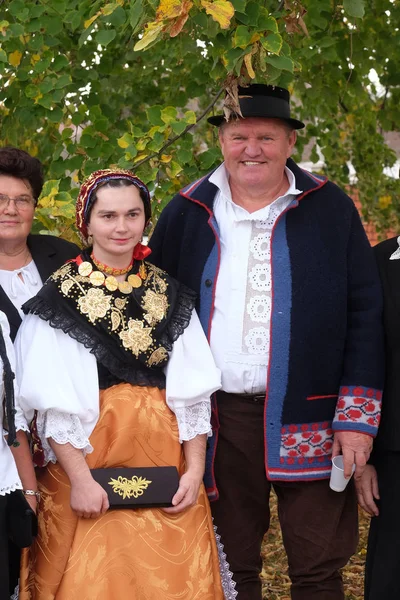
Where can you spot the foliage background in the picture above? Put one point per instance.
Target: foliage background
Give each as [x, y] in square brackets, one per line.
[91, 83]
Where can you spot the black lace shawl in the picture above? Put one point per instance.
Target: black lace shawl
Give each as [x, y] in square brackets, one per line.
[115, 363]
[9, 401]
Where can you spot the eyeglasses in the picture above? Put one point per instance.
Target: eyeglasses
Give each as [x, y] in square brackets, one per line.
[21, 202]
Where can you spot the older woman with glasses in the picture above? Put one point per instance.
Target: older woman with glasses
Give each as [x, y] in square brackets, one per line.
[26, 260]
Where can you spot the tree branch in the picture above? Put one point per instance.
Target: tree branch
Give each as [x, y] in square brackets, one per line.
[188, 128]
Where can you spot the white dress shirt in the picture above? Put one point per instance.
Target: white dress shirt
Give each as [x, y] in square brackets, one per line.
[21, 284]
[242, 312]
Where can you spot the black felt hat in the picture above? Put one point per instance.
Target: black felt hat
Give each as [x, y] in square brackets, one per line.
[266, 101]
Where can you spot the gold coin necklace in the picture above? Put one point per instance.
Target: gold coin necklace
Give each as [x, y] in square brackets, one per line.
[98, 278]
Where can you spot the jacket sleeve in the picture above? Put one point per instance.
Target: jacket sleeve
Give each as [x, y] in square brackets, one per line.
[359, 402]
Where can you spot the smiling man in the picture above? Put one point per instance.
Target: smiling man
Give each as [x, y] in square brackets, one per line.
[289, 296]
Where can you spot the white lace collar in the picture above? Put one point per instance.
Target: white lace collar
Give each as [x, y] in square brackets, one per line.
[396, 253]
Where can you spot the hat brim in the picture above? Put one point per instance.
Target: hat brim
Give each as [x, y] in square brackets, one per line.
[218, 120]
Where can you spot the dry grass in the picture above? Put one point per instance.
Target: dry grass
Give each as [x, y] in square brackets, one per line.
[276, 584]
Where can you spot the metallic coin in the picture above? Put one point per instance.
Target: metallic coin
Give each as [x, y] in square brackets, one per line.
[85, 268]
[96, 278]
[111, 283]
[125, 287]
[135, 281]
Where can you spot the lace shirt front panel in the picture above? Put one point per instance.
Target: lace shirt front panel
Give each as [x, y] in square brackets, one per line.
[243, 299]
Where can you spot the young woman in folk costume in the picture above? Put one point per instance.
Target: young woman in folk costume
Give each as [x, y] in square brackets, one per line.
[110, 321]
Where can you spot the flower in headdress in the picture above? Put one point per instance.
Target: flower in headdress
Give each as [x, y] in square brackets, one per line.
[95, 304]
[137, 337]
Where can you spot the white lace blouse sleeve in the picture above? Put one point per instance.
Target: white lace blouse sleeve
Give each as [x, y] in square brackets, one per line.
[191, 379]
[58, 378]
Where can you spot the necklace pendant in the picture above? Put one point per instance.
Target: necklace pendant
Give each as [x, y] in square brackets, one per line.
[135, 281]
[96, 278]
[111, 283]
[124, 287]
[142, 271]
[85, 268]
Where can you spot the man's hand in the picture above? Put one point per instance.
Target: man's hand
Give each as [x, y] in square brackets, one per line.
[355, 447]
[187, 494]
[368, 491]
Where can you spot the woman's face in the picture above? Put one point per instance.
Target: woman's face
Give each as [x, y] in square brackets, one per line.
[116, 223]
[17, 207]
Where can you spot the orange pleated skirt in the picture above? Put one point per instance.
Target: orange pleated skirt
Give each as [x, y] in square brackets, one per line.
[142, 554]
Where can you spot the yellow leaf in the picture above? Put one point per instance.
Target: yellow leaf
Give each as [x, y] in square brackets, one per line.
[108, 9]
[123, 143]
[249, 66]
[3, 27]
[15, 58]
[152, 32]
[35, 58]
[221, 11]
[343, 135]
[166, 158]
[38, 97]
[140, 157]
[91, 20]
[171, 9]
[141, 144]
[153, 130]
[385, 201]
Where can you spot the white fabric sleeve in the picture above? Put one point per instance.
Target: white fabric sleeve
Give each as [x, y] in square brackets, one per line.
[191, 377]
[57, 376]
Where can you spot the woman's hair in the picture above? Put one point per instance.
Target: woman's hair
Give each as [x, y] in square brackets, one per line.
[18, 163]
[115, 183]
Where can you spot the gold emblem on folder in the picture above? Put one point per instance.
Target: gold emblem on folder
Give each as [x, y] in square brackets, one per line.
[129, 488]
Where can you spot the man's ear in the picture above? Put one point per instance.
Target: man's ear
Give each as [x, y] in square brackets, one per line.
[292, 140]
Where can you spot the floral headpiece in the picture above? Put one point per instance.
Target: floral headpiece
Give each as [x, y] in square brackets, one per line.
[94, 181]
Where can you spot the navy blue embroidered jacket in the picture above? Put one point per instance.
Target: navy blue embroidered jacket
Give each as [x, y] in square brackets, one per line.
[325, 369]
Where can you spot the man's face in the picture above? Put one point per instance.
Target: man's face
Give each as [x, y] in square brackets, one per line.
[255, 150]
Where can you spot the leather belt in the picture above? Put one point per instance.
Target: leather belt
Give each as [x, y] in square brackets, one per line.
[256, 398]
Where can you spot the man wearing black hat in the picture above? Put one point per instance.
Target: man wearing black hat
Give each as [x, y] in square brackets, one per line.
[290, 299]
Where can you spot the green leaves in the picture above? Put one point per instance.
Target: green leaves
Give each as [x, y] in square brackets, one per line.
[105, 36]
[86, 85]
[354, 8]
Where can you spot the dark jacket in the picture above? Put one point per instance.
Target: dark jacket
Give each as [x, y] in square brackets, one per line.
[326, 349]
[389, 431]
[48, 253]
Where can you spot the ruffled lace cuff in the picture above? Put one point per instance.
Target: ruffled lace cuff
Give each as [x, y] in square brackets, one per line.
[193, 420]
[20, 423]
[63, 428]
